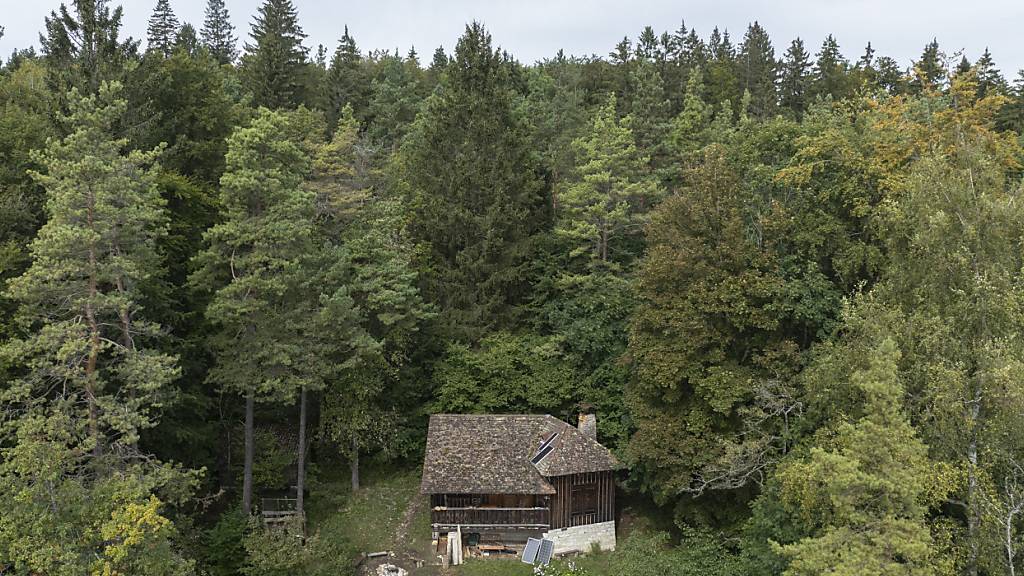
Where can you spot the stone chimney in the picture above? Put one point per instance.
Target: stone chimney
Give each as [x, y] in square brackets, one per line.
[588, 425]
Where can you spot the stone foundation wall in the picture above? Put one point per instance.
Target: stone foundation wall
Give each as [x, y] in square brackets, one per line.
[582, 538]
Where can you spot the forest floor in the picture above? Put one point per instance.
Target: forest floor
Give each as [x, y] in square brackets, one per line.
[388, 514]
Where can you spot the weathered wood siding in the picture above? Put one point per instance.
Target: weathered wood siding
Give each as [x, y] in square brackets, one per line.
[566, 512]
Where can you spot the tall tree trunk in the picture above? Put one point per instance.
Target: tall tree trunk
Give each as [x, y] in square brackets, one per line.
[94, 342]
[250, 449]
[973, 503]
[354, 465]
[300, 482]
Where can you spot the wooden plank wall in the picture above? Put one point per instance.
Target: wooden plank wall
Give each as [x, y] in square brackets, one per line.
[561, 503]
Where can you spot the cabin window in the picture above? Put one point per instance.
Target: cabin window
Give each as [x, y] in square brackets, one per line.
[584, 499]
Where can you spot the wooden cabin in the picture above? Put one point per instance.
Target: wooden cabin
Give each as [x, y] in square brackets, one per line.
[510, 477]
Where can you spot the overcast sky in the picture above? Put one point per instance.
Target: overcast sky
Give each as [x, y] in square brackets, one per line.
[535, 29]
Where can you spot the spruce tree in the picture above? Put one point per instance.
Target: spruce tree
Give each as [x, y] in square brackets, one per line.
[990, 80]
[274, 65]
[796, 78]
[831, 72]
[890, 77]
[347, 81]
[865, 69]
[650, 114]
[83, 48]
[929, 69]
[474, 194]
[163, 29]
[218, 33]
[720, 76]
[758, 71]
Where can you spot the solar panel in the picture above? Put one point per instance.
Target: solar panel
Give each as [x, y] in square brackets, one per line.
[530, 552]
[547, 548]
[540, 455]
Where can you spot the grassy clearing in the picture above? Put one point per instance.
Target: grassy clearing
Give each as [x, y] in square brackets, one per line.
[369, 518]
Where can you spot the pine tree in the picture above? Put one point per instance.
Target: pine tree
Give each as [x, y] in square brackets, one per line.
[81, 497]
[163, 29]
[609, 193]
[929, 69]
[256, 265]
[794, 87]
[218, 33]
[274, 65]
[347, 81]
[758, 71]
[473, 190]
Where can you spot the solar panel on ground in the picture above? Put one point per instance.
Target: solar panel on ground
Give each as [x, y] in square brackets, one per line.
[530, 552]
[547, 548]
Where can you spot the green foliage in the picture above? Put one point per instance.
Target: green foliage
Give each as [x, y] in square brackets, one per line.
[223, 546]
[507, 374]
[162, 30]
[608, 194]
[82, 46]
[867, 494]
[274, 64]
[473, 193]
[84, 499]
[218, 33]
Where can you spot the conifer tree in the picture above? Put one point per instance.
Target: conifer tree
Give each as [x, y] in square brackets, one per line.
[720, 75]
[162, 30]
[889, 76]
[831, 72]
[929, 69]
[647, 45]
[473, 190]
[394, 102]
[187, 40]
[255, 266]
[794, 85]
[990, 80]
[609, 193]
[81, 497]
[347, 81]
[650, 114]
[865, 70]
[218, 32]
[83, 47]
[758, 71]
[274, 65]
[690, 127]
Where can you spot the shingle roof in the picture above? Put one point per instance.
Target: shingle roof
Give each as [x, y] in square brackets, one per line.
[490, 454]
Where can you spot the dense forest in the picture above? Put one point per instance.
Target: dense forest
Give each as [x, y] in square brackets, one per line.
[790, 284]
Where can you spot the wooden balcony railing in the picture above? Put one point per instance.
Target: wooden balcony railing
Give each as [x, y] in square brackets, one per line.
[444, 518]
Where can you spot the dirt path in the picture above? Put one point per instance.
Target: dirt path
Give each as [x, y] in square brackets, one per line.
[415, 504]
